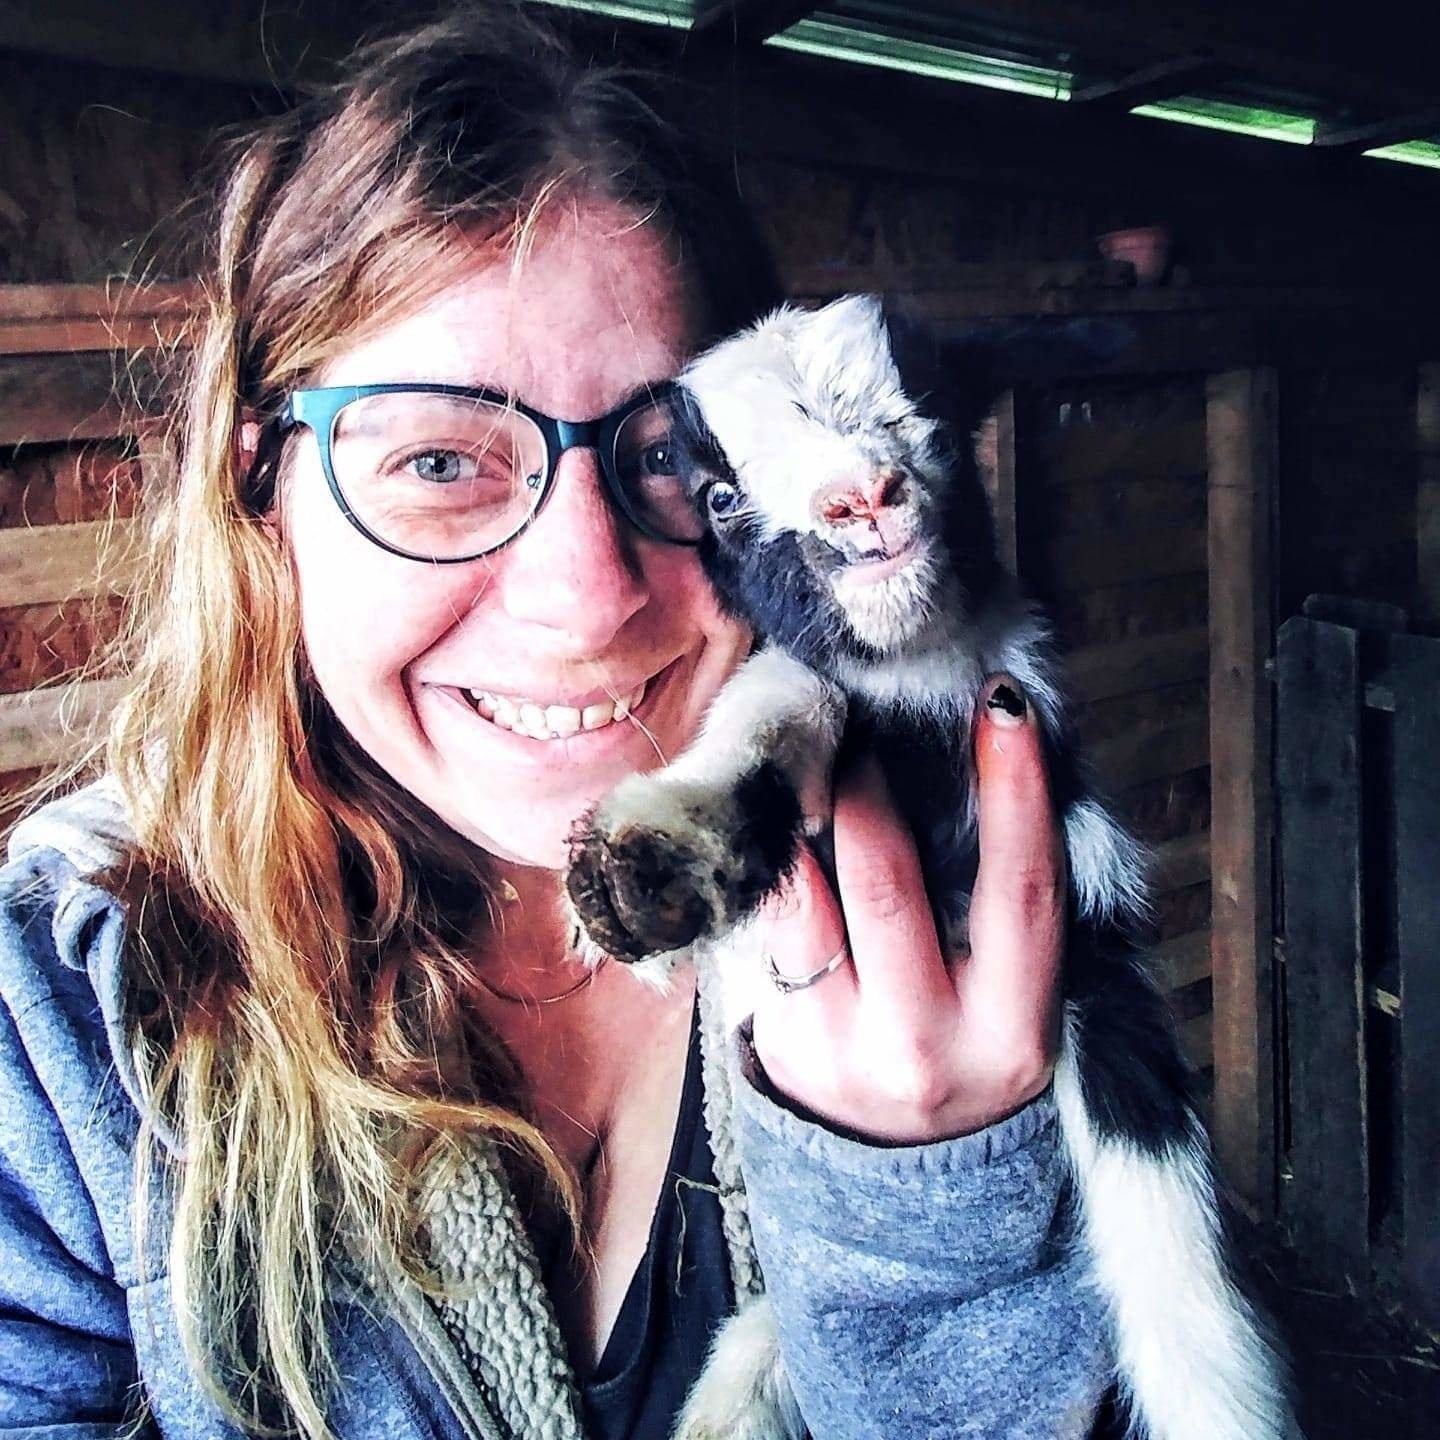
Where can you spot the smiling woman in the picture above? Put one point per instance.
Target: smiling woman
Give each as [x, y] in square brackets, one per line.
[297, 965]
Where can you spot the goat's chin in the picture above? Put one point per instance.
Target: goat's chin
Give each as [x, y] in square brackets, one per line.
[886, 614]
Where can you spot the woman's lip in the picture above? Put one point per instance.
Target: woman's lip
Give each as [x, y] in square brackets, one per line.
[577, 700]
[655, 687]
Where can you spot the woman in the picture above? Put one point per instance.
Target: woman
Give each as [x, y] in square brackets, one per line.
[402, 1165]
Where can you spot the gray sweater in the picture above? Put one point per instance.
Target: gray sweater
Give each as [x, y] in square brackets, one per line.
[920, 1291]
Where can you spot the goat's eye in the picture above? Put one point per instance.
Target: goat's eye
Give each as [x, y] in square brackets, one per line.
[722, 497]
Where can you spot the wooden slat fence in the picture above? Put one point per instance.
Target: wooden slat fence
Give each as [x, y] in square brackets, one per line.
[78, 395]
[1358, 732]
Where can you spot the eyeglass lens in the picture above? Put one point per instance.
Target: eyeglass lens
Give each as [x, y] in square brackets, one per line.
[448, 476]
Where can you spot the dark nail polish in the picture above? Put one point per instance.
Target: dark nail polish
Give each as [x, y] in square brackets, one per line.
[1006, 699]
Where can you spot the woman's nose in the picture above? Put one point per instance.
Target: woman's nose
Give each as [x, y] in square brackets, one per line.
[573, 571]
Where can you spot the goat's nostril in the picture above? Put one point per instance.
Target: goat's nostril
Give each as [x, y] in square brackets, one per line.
[836, 510]
[890, 491]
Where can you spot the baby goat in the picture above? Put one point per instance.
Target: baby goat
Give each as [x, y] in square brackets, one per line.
[841, 525]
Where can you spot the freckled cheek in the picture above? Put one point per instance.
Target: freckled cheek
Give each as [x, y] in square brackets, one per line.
[365, 615]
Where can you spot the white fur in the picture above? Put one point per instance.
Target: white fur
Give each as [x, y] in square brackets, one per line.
[1192, 1359]
[1108, 866]
[743, 1394]
[843, 414]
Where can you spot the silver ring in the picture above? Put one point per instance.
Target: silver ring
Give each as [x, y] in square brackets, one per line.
[789, 984]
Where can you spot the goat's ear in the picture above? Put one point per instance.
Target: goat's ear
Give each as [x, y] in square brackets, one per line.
[957, 377]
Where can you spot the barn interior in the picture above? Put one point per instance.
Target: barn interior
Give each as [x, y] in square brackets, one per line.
[1235, 521]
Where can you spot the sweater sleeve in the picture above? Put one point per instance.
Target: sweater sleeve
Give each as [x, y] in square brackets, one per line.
[923, 1290]
[67, 1363]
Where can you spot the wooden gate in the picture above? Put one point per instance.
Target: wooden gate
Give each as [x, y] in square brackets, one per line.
[1358, 948]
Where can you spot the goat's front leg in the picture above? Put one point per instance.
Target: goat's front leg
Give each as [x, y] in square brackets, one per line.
[686, 853]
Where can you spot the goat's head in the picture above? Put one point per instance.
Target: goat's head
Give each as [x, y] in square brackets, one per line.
[838, 517]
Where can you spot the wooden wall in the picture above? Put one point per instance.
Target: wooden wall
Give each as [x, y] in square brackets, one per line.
[862, 181]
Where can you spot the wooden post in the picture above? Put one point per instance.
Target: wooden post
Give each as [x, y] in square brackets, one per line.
[1414, 672]
[1427, 499]
[1319, 700]
[995, 455]
[1241, 408]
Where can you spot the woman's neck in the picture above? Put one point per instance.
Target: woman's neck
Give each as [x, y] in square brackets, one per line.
[527, 947]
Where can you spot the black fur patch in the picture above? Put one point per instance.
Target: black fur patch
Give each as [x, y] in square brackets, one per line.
[1133, 1076]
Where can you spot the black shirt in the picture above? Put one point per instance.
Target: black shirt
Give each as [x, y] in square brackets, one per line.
[680, 1294]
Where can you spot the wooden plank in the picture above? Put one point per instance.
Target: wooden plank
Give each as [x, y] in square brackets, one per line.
[46, 398]
[1181, 961]
[45, 727]
[56, 562]
[806, 280]
[1152, 753]
[1086, 562]
[1103, 672]
[50, 319]
[1318, 775]
[48, 337]
[1197, 1041]
[1415, 668]
[1427, 498]
[995, 456]
[167, 298]
[1183, 861]
[1241, 445]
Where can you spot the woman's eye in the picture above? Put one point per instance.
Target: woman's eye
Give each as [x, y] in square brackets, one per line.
[441, 467]
[722, 497]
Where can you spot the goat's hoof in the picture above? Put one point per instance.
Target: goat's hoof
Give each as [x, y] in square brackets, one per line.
[659, 865]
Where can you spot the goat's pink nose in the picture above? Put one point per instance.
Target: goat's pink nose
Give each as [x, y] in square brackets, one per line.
[863, 501]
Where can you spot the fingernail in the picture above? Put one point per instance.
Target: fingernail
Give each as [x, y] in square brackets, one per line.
[1006, 704]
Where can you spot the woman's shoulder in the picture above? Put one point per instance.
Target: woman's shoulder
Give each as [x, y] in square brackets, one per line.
[60, 926]
[68, 1113]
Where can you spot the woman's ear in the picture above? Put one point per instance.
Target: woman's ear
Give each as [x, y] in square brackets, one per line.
[248, 438]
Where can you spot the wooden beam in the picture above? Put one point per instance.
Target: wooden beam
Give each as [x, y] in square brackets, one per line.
[1182, 861]
[58, 562]
[1415, 785]
[1153, 82]
[44, 727]
[1101, 672]
[1350, 137]
[1318, 775]
[1182, 961]
[1241, 440]
[1427, 498]
[746, 22]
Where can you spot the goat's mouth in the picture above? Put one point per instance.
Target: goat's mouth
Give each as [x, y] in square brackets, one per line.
[864, 570]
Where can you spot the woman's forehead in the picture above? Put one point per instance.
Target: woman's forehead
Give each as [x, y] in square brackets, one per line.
[597, 306]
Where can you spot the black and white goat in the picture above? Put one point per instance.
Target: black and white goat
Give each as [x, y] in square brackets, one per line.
[858, 542]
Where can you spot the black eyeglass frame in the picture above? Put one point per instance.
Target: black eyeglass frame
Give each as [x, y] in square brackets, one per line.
[319, 408]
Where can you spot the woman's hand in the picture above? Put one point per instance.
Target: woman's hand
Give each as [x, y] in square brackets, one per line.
[897, 1046]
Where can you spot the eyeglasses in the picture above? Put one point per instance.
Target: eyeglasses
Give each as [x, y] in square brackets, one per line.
[447, 473]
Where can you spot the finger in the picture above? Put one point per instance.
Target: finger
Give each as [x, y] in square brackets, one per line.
[882, 894]
[1017, 912]
[803, 931]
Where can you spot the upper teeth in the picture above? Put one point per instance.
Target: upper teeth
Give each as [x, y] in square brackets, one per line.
[553, 722]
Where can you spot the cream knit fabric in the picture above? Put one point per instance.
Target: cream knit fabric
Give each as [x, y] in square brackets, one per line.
[503, 1323]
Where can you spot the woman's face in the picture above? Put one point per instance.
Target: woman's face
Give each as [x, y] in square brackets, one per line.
[578, 610]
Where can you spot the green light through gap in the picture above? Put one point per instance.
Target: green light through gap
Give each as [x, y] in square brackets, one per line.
[675, 13]
[1237, 119]
[918, 57]
[1411, 152]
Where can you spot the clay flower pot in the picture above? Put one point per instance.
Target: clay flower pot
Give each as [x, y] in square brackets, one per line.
[1145, 247]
